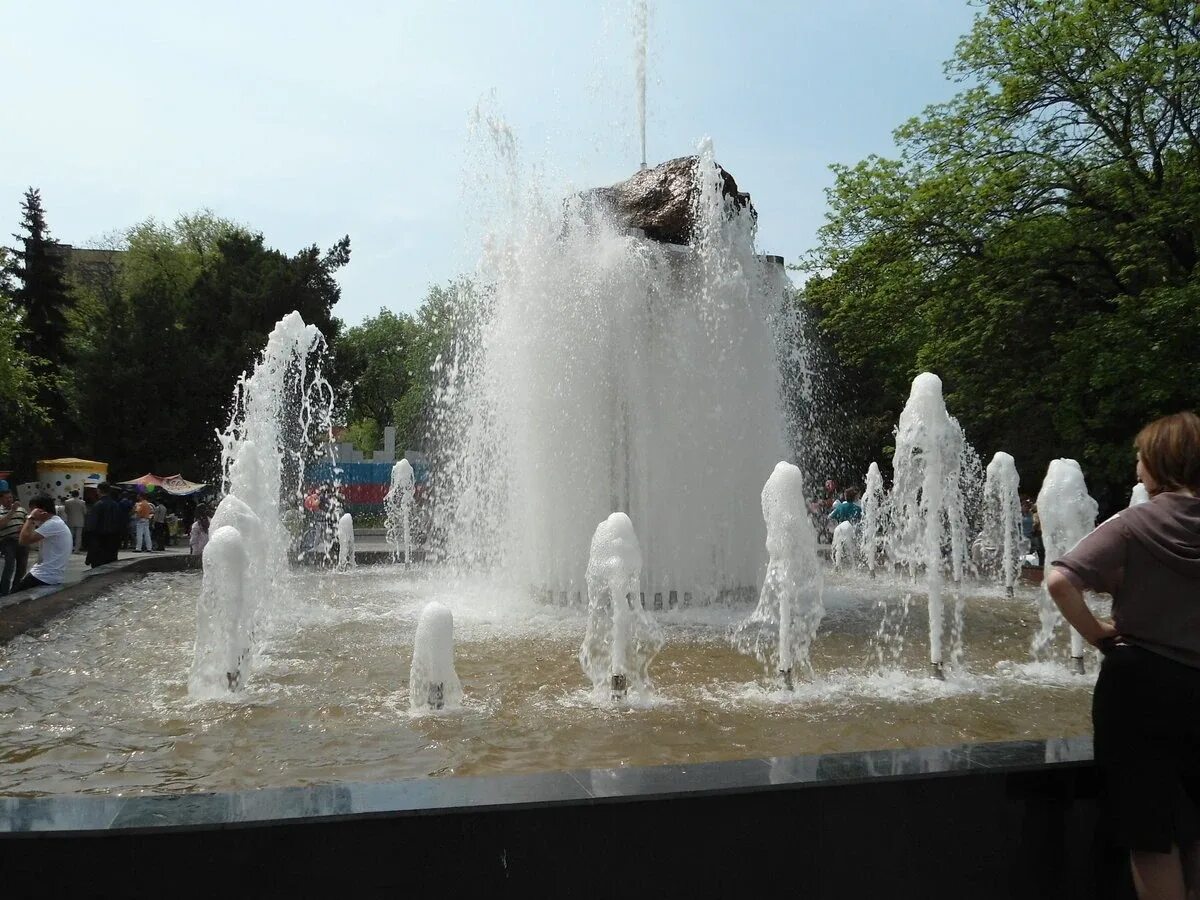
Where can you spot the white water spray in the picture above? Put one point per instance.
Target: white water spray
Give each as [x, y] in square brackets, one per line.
[844, 545]
[281, 420]
[399, 511]
[1068, 514]
[604, 372]
[874, 520]
[789, 611]
[1139, 495]
[432, 681]
[1001, 535]
[621, 638]
[927, 505]
[345, 530]
[641, 35]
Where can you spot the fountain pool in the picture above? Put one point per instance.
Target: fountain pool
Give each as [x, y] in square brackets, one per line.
[98, 701]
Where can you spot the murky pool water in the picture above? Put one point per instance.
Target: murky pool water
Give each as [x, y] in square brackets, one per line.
[97, 702]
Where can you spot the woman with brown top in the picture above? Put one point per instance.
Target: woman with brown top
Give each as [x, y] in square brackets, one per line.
[1146, 707]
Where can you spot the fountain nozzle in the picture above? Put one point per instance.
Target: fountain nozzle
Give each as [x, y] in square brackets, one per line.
[786, 675]
[936, 671]
[620, 687]
[1077, 665]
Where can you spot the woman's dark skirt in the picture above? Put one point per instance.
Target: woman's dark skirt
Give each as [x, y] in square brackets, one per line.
[1146, 715]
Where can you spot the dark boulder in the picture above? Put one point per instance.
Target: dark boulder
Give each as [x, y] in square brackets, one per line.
[660, 201]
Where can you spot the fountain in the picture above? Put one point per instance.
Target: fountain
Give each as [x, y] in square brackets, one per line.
[621, 638]
[608, 373]
[789, 608]
[345, 531]
[927, 502]
[399, 511]
[844, 545]
[1001, 536]
[432, 682]
[1068, 515]
[873, 534]
[1139, 494]
[281, 417]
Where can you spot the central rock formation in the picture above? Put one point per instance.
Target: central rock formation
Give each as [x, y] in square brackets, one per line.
[661, 201]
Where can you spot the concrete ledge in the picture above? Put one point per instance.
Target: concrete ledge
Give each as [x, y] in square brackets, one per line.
[22, 611]
[972, 821]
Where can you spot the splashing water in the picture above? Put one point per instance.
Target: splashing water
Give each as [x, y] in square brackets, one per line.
[432, 681]
[281, 421]
[345, 530]
[1002, 536]
[641, 33]
[789, 611]
[1068, 514]
[1139, 494]
[845, 542]
[621, 639]
[399, 511]
[874, 520]
[603, 371]
[927, 502]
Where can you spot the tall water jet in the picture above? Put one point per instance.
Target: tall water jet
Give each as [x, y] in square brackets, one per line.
[641, 35]
[621, 639]
[280, 424]
[1068, 514]
[432, 681]
[927, 502]
[224, 616]
[790, 607]
[844, 545]
[1139, 494]
[345, 530]
[1002, 518]
[874, 520]
[607, 371]
[399, 510]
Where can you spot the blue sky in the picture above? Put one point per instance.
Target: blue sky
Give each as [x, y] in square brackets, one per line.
[307, 121]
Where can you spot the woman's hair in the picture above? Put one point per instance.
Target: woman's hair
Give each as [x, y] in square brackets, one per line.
[1170, 450]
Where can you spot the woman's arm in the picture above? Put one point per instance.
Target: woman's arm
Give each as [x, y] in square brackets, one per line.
[1069, 599]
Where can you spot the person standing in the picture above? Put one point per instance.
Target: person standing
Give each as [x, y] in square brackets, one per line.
[1146, 705]
[12, 517]
[160, 525]
[126, 503]
[142, 514]
[75, 518]
[105, 527]
[198, 536]
[44, 529]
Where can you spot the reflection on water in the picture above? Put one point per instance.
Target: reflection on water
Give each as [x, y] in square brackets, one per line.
[98, 702]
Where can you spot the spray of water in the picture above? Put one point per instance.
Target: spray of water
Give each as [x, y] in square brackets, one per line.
[874, 520]
[641, 34]
[621, 639]
[280, 424]
[1001, 538]
[1068, 514]
[601, 371]
[928, 508]
[789, 611]
[399, 511]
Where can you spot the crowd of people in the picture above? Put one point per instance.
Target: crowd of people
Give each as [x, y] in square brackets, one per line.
[99, 525]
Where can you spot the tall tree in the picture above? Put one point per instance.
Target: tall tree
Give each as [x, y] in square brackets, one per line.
[1035, 241]
[41, 304]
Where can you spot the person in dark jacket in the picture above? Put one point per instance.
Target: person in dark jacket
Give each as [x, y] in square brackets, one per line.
[105, 528]
[1146, 706]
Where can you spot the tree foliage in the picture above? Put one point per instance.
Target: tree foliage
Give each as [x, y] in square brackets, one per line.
[1035, 240]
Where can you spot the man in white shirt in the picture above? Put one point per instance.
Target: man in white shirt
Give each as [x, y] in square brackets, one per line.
[159, 524]
[75, 517]
[46, 531]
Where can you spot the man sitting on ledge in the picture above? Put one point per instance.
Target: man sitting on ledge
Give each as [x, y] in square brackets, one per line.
[45, 530]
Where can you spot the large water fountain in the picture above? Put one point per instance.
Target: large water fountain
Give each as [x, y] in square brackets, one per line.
[618, 363]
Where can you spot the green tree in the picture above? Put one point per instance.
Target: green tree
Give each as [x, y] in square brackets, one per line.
[376, 358]
[19, 411]
[1035, 240]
